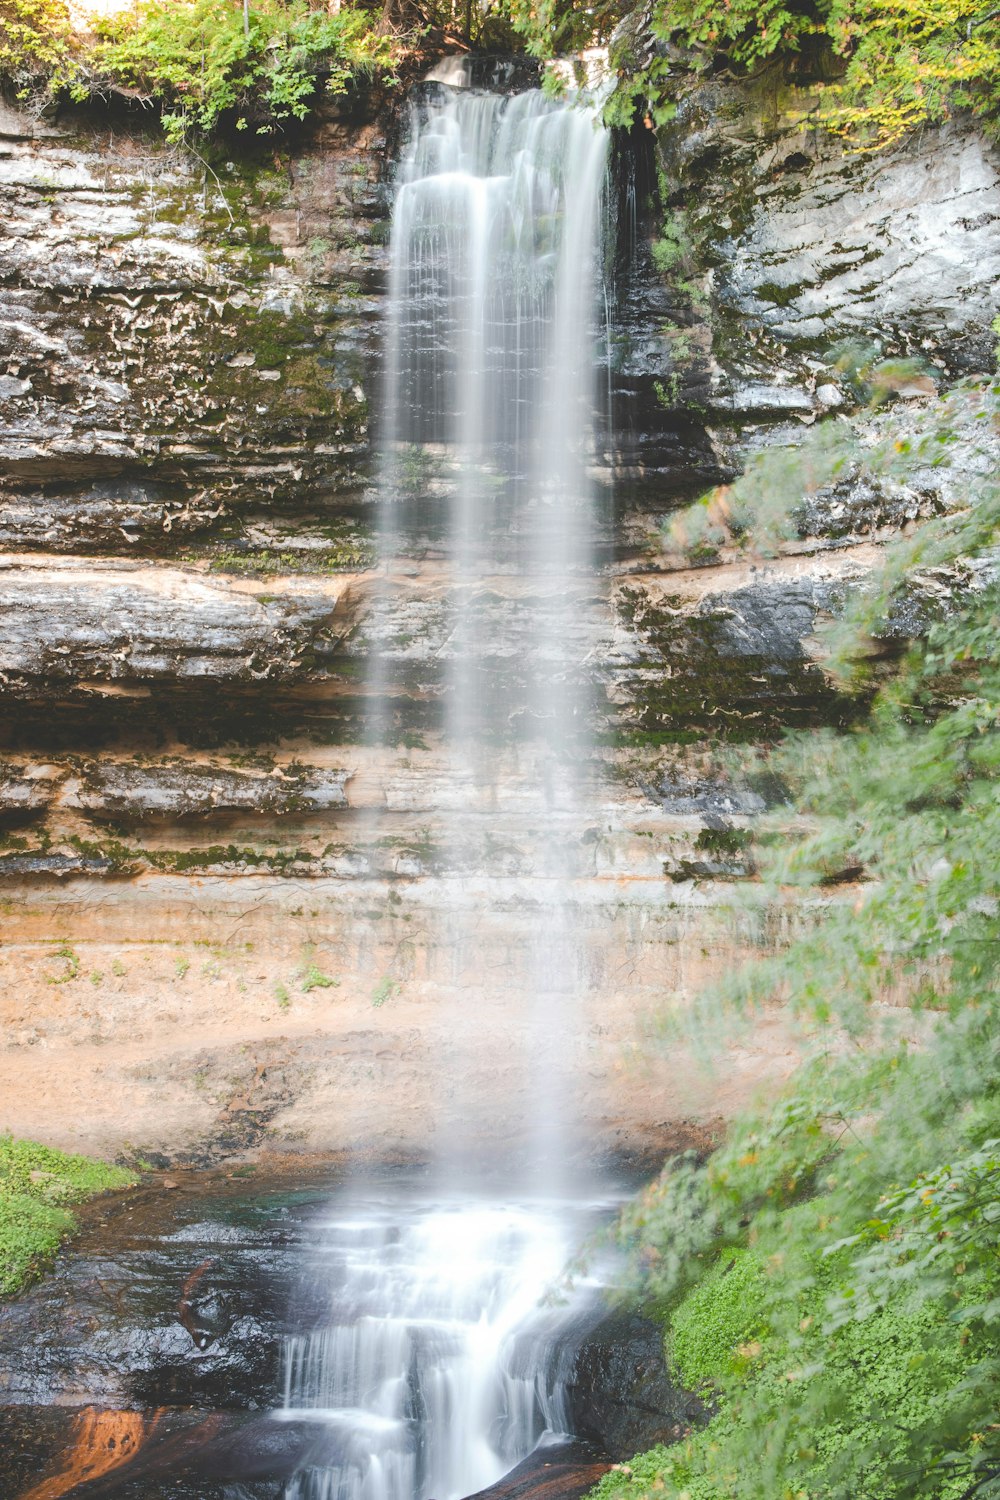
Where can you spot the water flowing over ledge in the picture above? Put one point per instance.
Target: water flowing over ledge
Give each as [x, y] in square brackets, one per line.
[494, 345]
[439, 1361]
[436, 1368]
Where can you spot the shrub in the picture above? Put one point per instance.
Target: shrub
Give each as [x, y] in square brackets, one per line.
[35, 43]
[204, 59]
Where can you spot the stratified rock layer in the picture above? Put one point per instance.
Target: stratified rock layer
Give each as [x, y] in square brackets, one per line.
[230, 919]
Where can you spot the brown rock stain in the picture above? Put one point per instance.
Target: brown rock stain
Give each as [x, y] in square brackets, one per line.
[102, 1442]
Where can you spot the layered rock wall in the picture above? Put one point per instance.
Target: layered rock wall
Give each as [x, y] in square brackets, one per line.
[207, 943]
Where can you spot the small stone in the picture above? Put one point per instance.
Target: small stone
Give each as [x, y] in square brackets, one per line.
[170, 1182]
[912, 390]
[829, 395]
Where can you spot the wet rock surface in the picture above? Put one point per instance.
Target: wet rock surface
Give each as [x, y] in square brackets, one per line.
[190, 402]
[158, 1342]
[555, 1471]
[167, 1305]
[159, 1339]
[813, 244]
[70, 620]
[152, 326]
[620, 1395]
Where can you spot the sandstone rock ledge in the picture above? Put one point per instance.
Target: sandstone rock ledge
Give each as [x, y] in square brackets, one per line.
[117, 622]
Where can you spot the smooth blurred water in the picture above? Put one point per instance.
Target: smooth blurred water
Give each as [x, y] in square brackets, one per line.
[495, 344]
[437, 1365]
[441, 1358]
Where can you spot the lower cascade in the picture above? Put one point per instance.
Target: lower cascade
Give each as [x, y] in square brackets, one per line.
[435, 1365]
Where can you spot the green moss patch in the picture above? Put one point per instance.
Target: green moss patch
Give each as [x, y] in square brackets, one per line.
[37, 1184]
[718, 1323]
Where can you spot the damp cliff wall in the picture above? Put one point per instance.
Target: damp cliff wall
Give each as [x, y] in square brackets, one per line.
[189, 398]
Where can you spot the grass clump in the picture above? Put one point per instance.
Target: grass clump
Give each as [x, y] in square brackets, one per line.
[37, 1183]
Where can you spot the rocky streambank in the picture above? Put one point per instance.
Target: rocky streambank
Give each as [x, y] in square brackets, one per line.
[153, 1361]
[206, 947]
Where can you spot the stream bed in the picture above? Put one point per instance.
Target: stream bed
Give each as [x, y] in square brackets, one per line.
[305, 1336]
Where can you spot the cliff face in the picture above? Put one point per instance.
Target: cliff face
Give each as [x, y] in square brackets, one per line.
[189, 398]
[814, 244]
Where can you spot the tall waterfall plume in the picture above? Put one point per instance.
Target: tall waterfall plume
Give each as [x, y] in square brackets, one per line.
[493, 360]
[433, 1365]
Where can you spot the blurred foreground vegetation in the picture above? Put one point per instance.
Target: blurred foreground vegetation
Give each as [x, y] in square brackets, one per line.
[830, 1276]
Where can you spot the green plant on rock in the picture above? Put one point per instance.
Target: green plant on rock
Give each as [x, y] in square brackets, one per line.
[72, 965]
[311, 977]
[386, 989]
[206, 59]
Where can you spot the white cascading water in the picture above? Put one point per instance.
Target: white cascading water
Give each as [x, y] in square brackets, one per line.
[491, 383]
[434, 1368]
[437, 1368]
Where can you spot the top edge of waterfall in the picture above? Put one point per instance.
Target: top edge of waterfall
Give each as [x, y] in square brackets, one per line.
[585, 78]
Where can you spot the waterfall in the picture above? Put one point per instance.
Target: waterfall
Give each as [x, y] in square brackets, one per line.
[495, 322]
[433, 1368]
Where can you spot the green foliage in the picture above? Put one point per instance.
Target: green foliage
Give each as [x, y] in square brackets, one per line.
[897, 64]
[35, 43]
[668, 252]
[204, 62]
[842, 1368]
[201, 61]
[557, 28]
[30, 1234]
[748, 31]
[908, 801]
[36, 1184]
[716, 1326]
[649, 1473]
[862, 1359]
[909, 63]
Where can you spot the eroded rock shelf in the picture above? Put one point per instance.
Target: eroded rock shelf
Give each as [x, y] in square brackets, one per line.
[189, 394]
